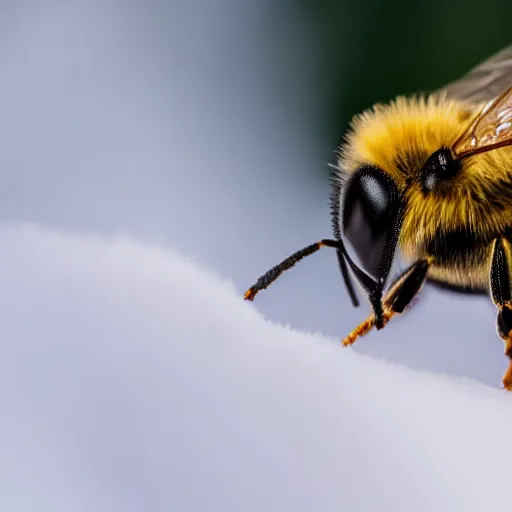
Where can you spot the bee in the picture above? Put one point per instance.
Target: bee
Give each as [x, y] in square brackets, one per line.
[427, 177]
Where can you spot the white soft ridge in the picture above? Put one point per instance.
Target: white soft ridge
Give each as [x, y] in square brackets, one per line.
[132, 379]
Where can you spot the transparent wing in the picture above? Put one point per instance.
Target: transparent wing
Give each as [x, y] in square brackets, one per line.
[491, 129]
[485, 82]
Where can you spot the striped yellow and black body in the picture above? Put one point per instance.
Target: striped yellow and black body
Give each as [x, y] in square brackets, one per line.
[457, 220]
[428, 178]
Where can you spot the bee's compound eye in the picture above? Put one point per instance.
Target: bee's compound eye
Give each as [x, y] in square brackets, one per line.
[369, 212]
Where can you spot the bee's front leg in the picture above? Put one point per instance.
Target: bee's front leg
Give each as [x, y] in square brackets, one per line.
[398, 297]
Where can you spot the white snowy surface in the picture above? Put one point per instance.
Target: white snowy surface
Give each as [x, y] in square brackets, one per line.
[133, 379]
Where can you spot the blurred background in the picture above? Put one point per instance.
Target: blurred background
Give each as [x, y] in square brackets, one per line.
[208, 126]
[376, 50]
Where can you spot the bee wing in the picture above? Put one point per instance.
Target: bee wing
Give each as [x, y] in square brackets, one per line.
[484, 82]
[491, 129]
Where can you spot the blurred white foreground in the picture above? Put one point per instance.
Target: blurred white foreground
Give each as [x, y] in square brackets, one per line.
[135, 380]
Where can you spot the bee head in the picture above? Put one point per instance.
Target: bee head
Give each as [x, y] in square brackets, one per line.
[369, 217]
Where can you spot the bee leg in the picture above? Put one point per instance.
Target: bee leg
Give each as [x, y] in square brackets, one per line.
[505, 331]
[398, 297]
[502, 297]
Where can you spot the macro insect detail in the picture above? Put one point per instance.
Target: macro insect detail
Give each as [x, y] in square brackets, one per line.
[429, 177]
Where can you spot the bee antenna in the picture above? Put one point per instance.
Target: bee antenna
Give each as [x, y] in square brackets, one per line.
[271, 275]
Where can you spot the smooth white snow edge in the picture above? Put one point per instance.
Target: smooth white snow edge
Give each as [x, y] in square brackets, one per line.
[134, 380]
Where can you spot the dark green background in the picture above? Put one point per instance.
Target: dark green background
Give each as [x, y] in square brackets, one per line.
[375, 50]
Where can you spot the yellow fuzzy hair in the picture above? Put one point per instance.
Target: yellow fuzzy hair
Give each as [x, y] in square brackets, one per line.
[399, 137]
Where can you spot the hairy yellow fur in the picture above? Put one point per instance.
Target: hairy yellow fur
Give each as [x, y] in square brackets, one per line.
[398, 138]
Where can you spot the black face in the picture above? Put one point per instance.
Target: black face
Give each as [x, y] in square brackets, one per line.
[371, 206]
